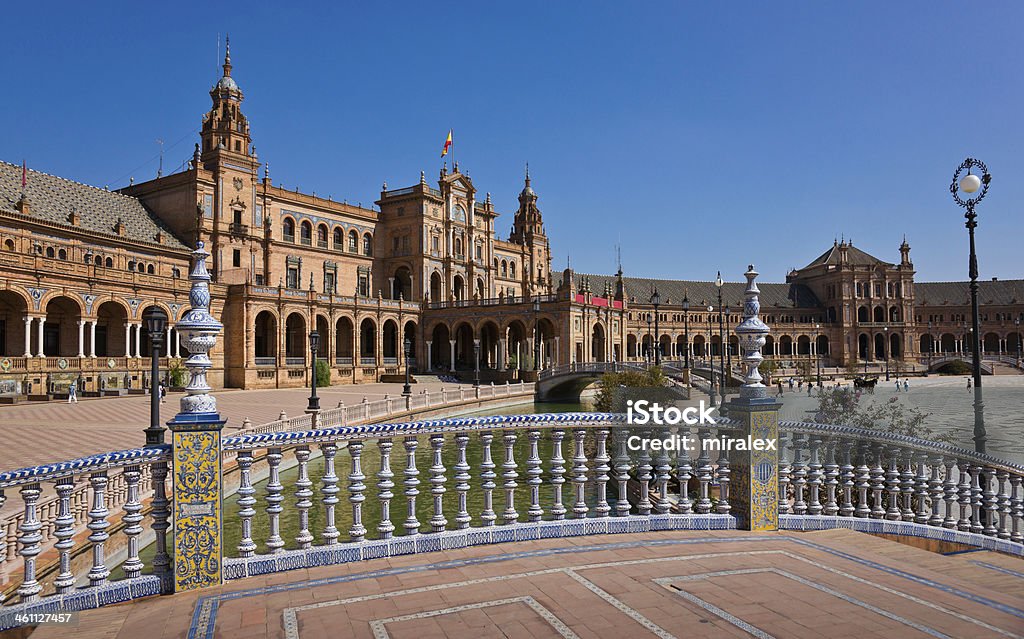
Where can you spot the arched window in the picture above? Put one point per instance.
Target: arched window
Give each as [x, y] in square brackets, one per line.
[367, 244]
[141, 267]
[321, 236]
[110, 262]
[458, 246]
[62, 254]
[353, 242]
[49, 251]
[9, 245]
[511, 269]
[339, 239]
[149, 269]
[289, 229]
[306, 233]
[504, 268]
[99, 261]
[176, 272]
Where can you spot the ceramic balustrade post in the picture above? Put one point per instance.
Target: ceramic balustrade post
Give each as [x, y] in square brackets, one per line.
[976, 500]
[462, 477]
[356, 491]
[579, 478]
[644, 476]
[949, 489]
[65, 532]
[411, 473]
[385, 483]
[274, 498]
[831, 508]
[622, 468]
[989, 502]
[814, 477]
[303, 498]
[846, 475]
[132, 519]
[246, 503]
[907, 486]
[533, 473]
[892, 484]
[878, 483]
[784, 474]
[438, 521]
[935, 490]
[29, 541]
[922, 491]
[1017, 507]
[964, 523]
[799, 476]
[98, 524]
[723, 507]
[487, 477]
[601, 470]
[684, 470]
[329, 493]
[510, 516]
[558, 509]
[1005, 509]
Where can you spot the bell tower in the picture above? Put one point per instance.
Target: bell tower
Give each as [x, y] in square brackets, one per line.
[528, 232]
[225, 131]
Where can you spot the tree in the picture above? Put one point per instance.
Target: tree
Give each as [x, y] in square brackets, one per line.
[613, 386]
[323, 373]
[843, 407]
[176, 373]
[767, 369]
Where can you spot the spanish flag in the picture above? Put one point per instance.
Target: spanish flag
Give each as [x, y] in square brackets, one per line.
[447, 144]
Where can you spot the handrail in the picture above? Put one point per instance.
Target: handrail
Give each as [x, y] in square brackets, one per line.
[103, 461]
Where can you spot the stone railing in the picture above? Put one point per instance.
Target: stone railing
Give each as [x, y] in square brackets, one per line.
[403, 488]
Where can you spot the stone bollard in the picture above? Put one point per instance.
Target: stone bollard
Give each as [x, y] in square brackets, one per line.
[283, 416]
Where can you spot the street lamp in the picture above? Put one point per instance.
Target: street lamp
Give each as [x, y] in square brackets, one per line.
[1016, 323]
[686, 331]
[931, 348]
[476, 363]
[156, 320]
[536, 334]
[968, 184]
[650, 342]
[885, 350]
[656, 301]
[728, 346]
[407, 389]
[314, 347]
[721, 337]
[817, 355]
[711, 358]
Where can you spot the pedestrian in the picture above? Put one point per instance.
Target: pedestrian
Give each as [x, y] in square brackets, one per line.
[779, 394]
[968, 383]
[73, 393]
[163, 393]
[906, 386]
[809, 387]
[790, 383]
[897, 386]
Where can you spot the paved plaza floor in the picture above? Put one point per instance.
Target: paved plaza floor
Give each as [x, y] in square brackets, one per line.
[36, 433]
[673, 584]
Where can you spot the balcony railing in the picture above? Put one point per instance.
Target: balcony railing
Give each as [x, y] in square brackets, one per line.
[367, 361]
[288, 238]
[266, 361]
[237, 228]
[343, 361]
[306, 241]
[295, 361]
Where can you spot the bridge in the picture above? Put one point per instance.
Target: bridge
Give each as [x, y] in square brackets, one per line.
[569, 380]
[990, 364]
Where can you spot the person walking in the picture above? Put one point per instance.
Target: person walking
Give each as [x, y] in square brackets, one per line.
[968, 383]
[73, 393]
[906, 386]
[779, 394]
[163, 393]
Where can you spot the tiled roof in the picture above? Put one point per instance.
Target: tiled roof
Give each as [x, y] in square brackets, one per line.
[855, 256]
[672, 291]
[53, 199]
[1001, 292]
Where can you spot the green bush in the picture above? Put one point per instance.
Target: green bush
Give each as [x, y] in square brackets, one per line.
[956, 367]
[323, 373]
[177, 374]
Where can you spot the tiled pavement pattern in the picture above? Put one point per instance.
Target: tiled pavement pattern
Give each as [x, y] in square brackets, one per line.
[694, 584]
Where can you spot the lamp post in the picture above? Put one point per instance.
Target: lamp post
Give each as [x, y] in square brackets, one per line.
[686, 332]
[536, 335]
[931, 348]
[650, 342]
[407, 346]
[710, 357]
[476, 363]
[721, 337]
[969, 184]
[885, 350]
[817, 355]
[1016, 323]
[314, 347]
[728, 346]
[156, 320]
[656, 301]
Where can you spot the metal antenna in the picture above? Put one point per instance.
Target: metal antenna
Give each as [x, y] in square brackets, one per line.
[160, 168]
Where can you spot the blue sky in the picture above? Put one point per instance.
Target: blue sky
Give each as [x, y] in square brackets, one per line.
[699, 136]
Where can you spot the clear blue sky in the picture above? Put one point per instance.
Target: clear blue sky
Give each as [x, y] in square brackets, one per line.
[699, 136]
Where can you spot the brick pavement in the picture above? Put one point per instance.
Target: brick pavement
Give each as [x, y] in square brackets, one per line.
[695, 584]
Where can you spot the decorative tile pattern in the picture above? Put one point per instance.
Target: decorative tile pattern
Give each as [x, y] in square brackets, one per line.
[380, 631]
[197, 510]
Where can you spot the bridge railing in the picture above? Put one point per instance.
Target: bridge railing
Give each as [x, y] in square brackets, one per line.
[380, 490]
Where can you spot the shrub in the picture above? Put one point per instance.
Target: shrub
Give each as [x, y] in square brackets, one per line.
[323, 373]
[177, 374]
[956, 367]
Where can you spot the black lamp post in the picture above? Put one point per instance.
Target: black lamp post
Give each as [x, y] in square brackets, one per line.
[817, 355]
[536, 337]
[728, 346]
[650, 342]
[885, 350]
[969, 184]
[931, 348]
[686, 331]
[156, 321]
[655, 302]
[476, 363]
[407, 389]
[721, 336]
[1016, 323]
[711, 358]
[314, 347]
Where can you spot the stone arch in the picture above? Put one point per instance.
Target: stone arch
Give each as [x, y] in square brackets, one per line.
[344, 334]
[769, 347]
[864, 346]
[288, 228]
[803, 345]
[786, 345]
[402, 283]
[436, 287]
[631, 346]
[665, 346]
[489, 347]
[463, 335]
[391, 343]
[321, 235]
[947, 343]
[458, 288]
[481, 291]
[879, 346]
[60, 330]
[598, 343]
[879, 314]
[323, 328]
[368, 341]
[519, 355]
[896, 346]
[440, 356]
[368, 244]
[353, 241]
[927, 343]
[895, 314]
[990, 344]
[409, 335]
[822, 345]
[700, 346]
[295, 339]
[265, 337]
[306, 232]
[14, 307]
[338, 239]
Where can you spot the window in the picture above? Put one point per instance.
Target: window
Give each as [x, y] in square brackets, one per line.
[289, 229]
[208, 207]
[339, 240]
[435, 243]
[293, 277]
[110, 262]
[49, 251]
[512, 269]
[458, 246]
[479, 252]
[306, 232]
[236, 216]
[329, 283]
[175, 272]
[151, 269]
[99, 261]
[236, 258]
[367, 244]
[353, 242]
[364, 286]
[321, 236]
[62, 254]
[142, 267]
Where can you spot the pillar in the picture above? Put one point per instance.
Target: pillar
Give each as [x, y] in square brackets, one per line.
[430, 356]
[127, 339]
[452, 355]
[138, 340]
[92, 338]
[28, 337]
[555, 359]
[177, 342]
[197, 481]
[166, 351]
[503, 353]
[754, 485]
[81, 338]
[39, 341]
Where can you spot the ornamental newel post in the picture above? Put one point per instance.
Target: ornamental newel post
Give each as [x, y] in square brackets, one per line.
[754, 491]
[156, 320]
[196, 455]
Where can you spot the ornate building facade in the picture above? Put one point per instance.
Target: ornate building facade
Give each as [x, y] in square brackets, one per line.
[425, 267]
